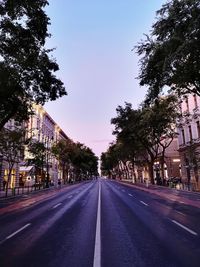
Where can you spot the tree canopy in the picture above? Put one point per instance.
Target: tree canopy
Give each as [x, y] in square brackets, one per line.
[143, 130]
[171, 53]
[26, 67]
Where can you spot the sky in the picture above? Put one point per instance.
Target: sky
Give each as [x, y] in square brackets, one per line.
[94, 41]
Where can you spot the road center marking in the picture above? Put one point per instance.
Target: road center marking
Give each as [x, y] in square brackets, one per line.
[97, 250]
[184, 227]
[19, 230]
[144, 203]
[57, 205]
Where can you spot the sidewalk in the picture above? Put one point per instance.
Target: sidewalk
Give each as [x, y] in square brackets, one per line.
[18, 191]
[174, 195]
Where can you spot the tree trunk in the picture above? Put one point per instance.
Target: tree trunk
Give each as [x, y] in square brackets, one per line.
[162, 168]
[150, 168]
[9, 179]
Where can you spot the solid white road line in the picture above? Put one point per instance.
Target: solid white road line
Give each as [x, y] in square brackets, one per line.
[144, 203]
[57, 205]
[97, 250]
[184, 227]
[19, 230]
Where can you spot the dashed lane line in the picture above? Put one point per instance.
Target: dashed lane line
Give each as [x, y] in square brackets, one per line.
[184, 227]
[57, 205]
[144, 203]
[181, 213]
[19, 230]
[130, 195]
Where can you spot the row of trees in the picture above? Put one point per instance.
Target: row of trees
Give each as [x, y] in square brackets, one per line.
[72, 157]
[142, 135]
[169, 60]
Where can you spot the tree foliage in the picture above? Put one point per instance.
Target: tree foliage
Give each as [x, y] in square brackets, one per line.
[26, 67]
[76, 156]
[38, 154]
[84, 161]
[171, 53]
[143, 131]
[109, 160]
[12, 142]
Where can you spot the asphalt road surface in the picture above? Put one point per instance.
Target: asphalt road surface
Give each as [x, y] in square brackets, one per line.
[100, 223]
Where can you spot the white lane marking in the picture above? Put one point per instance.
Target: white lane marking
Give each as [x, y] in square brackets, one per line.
[184, 227]
[97, 250]
[70, 196]
[57, 205]
[181, 213]
[144, 203]
[19, 230]
[130, 195]
[123, 190]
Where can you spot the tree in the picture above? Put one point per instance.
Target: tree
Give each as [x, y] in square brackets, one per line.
[38, 155]
[171, 53]
[110, 161]
[64, 150]
[26, 67]
[140, 129]
[143, 129]
[11, 148]
[84, 161]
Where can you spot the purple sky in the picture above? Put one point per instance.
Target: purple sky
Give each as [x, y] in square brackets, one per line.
[93, 41]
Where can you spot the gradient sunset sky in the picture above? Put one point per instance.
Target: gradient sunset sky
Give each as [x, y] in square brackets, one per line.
[93, 41]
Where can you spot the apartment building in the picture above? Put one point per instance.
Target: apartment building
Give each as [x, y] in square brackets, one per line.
[189, 140]
[41, 128]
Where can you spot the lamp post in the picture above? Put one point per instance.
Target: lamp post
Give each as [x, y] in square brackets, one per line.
[47, 162]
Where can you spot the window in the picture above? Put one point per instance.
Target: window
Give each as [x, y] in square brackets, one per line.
[198, 129]
[187, 104]
[190, 132]
[195, 101]
[183, 136]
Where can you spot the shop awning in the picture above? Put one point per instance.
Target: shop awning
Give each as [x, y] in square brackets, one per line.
[25, 168]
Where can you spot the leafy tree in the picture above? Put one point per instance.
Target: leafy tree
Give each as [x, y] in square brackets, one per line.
[125, 136]
[11, 148]
[143, 130]
[140, 130]
[38, 158]
[64, 150]
[26, 68]
[109, 161]
[171, 53]
[84, 161]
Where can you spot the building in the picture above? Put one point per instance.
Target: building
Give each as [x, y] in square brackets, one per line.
[189, 140]
[41, 128]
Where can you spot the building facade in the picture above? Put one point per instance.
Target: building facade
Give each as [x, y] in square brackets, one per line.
[189, 140]
[40, 128]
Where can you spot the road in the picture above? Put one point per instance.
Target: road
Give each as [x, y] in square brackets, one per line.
[100, 223]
